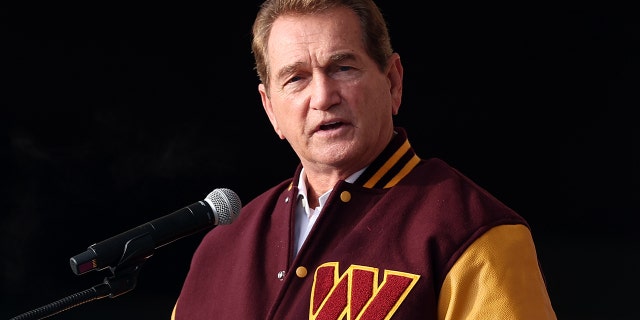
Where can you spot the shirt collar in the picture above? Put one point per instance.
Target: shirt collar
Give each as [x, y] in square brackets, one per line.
[302, 187]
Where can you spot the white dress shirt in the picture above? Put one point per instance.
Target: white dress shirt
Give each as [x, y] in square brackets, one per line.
[305, 216]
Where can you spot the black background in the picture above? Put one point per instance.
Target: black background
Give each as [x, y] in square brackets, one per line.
[116, 115]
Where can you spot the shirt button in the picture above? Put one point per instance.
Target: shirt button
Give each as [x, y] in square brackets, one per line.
[301, 272]
[345, 196]
[281, 275]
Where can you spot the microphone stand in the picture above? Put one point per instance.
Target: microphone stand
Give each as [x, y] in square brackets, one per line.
[120, 283]
[124, 279]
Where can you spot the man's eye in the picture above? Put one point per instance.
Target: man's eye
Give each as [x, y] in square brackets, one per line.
[344, 68]
[294, 79]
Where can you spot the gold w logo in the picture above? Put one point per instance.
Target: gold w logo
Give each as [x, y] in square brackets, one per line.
[356, 295]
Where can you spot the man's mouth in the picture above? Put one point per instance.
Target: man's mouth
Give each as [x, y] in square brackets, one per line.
[330, 126]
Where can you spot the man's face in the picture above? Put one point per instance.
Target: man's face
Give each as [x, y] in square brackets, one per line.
[327, 97]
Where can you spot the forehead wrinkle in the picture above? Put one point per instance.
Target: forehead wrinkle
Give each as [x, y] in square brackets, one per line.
[333, 58]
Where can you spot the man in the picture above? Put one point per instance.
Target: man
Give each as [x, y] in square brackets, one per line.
[365, 229]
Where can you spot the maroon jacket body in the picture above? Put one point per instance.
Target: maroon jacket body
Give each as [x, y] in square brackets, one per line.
[380, 249]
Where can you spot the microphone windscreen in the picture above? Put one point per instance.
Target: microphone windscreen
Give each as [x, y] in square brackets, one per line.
[226, 205]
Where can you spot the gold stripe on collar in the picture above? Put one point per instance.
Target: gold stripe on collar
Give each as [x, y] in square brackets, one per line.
[388, 165]
[405, 170]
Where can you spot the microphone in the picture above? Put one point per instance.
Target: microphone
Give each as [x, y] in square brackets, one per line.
[221, 206]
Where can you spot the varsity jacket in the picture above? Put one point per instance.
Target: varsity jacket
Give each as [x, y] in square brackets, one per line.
[411, 238]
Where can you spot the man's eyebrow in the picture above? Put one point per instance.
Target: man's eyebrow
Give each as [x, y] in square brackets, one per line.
[288, 69]
[342, 56]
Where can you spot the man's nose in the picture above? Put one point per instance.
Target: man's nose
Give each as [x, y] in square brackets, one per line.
[325, 92]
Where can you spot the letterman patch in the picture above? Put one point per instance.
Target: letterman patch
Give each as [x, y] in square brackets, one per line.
[356, 294]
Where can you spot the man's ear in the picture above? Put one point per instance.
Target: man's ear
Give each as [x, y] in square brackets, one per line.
[395, 73]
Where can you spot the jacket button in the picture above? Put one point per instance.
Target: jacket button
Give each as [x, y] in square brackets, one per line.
[345, 196]
[301, 272]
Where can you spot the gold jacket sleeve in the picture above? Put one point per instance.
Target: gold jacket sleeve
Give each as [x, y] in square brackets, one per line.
[497, 277]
